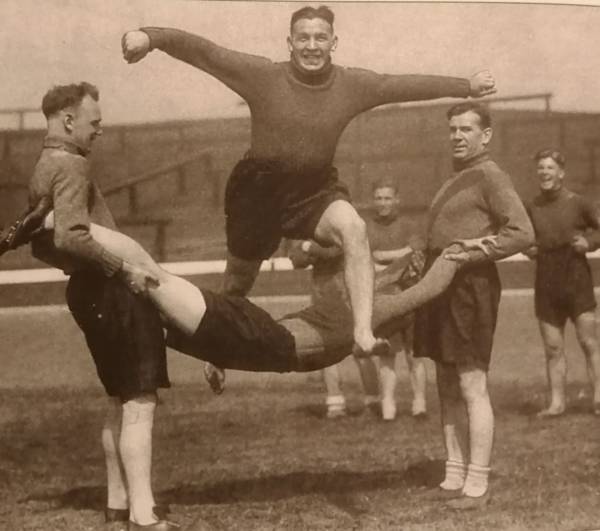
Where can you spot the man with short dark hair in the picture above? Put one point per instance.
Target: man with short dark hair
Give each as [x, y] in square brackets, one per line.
[567, 226]
[123, 330]
[391, 237]
[299, 109]
[456, 329]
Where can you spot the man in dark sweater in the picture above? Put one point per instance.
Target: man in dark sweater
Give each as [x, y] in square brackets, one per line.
[123, 330]
[390, 238]
[566, 225]
[456, 329]
[286, 184]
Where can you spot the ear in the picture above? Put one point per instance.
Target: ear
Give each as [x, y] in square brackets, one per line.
[68, 121]
[289, 44]
[487, 136]
[334, 44]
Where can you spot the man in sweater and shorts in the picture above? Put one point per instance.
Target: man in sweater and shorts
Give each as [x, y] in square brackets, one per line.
[286, 185]
[567, 226]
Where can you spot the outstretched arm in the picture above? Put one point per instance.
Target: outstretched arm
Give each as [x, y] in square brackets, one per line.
[378, 89]
[241, 72]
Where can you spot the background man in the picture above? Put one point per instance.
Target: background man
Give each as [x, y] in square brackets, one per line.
[327, 284]
[390, 238]
[123, 330]
[299, 109]
[566, 227]
[456, 329]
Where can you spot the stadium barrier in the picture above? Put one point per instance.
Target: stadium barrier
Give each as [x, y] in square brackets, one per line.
[278, 264]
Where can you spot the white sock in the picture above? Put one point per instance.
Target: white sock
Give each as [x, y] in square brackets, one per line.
[371, 399]
[336, 403]
[455, 475]
[476, 484]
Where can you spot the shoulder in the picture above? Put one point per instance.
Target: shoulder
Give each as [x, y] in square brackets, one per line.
[494, 177]
[355, 74]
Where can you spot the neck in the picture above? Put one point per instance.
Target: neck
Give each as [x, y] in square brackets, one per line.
[552, 194]
[462, 164]
[59, 135]
[318, 77]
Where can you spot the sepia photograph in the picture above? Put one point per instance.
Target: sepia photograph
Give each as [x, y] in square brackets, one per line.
[299, 266]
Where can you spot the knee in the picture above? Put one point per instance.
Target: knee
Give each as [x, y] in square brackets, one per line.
[553, 350]
[589, 345]
[473, 389]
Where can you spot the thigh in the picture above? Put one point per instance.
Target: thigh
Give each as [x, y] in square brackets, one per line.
[252, 217]
[339, 217]
[586, 326]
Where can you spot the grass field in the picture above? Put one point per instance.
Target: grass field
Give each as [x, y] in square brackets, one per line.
[261, 456]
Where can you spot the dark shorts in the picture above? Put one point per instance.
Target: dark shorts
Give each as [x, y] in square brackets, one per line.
[263, 203]
[458, 326]
[124, 333]
[236, 334]
[564, 288]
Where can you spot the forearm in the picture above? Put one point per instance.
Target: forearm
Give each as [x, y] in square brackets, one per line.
[387, 257]
[400, 88]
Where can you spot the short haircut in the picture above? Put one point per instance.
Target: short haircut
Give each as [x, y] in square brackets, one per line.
[553, 154]
[62, 96]
[385, 182]
[485, 120]
[310, 12]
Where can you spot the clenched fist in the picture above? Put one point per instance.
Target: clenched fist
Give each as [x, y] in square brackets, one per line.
[135, 45]
[482, 84]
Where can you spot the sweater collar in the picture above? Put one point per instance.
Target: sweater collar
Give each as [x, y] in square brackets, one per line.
[316, 79]
[460, 165]
[66, 144]
[553, 195]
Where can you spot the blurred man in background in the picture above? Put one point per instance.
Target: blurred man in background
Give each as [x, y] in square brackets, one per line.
[567, 226]
[390, 238]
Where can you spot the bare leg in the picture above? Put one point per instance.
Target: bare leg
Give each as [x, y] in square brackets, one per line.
[336, 402]
[369, 378]
[454, 426]
[556, 367]
[111, 433]
[473, 386]
[418, 382]
[341, 225]
[585, 326]
[239, 275]
[136, 451]
[180, 301]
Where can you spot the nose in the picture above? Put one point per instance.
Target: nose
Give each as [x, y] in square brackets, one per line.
[312, 43]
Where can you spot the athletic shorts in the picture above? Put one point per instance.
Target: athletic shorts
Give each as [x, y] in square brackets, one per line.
[236, 334]
[458, 326]
[564, 288]
[263, 203]
[124, 333]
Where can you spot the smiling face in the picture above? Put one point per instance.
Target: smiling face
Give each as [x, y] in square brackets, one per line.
[550, 174]
[467, 137]
[311, 43]
[385, 201]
